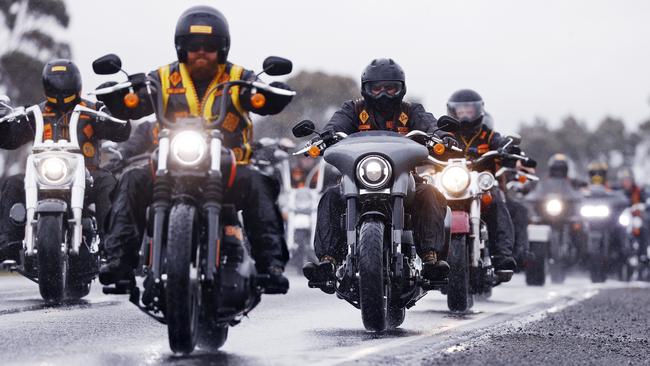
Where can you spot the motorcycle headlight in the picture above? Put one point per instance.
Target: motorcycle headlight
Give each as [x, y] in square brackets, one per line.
[595, 211]
[53, 170]
[554, 207]
[455, 179]
[625, 219]
[303, 200]
[189, 148]
[485, 181]
[373, 171]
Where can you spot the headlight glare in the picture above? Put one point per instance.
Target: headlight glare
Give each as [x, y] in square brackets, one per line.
[595, 211]
[455, 179]
[554, 207]
[188, 147]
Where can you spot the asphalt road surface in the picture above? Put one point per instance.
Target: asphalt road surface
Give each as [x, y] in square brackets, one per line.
[547, 324]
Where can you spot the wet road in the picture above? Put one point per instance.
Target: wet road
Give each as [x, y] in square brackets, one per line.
[303, 327]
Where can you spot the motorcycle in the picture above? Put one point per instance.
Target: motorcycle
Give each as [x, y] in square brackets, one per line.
[381, 273]
[467, 191]
[556, 231]
[60, 251]
[601, 208]
[634, 253]
[199, 275]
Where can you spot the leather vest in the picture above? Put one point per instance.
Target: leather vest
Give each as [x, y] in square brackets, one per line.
[398, 123]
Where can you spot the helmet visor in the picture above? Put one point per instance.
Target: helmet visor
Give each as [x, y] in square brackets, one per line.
[465, 111]
[196, 43]
[377, 88]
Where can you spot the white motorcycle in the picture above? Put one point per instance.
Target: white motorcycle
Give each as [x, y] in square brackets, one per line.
[61, 246]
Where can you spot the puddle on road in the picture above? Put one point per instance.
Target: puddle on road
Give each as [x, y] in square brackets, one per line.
[38, 304]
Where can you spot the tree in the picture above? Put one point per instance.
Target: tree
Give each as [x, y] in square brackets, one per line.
[26, 44]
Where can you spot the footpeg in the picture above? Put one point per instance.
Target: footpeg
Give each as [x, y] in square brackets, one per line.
[120, 288]
[328, 287]
[504, 276]
[9, 265]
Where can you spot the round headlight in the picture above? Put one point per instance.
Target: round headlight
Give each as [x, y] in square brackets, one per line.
[188, 147]
[625, 219]
[455, 179]
[54, 170]
[485, 181]
[373, 171]
[554, 207]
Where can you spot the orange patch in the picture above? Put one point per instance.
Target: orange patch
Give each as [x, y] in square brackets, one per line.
[231, 122]
[84, 116]
[88, 149]
[175, 90]
[88, 131]
[234, 231]
[239, 153]
[389, 125]
[181, 114]
[482, 149]
[363, 116]
[403, 118]
[483, 134]
[49, 114]
[175, 78]
[402, 130]
[364, 127]
[47, 132]
[154, 132]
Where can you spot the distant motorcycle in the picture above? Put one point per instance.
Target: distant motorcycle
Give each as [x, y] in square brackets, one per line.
[61, 247]
[634, 252]
[381, 273]
[556, 231]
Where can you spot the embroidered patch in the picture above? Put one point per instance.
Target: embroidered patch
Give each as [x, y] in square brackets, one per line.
[88, 149]
[84, 116]
[402, 130]
[235, 231]
[154, 132]
[89, 131]
[363, 116]
[175, 78]
[47, 132]
[389, 125]
[175, 90]
[483, 134]
[365, 127]
[482, 149]
[239, 153]
[403, 118]
[231, 122]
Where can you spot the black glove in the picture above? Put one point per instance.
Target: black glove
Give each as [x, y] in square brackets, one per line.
[276, 103]
[530, 163]
[450, 141]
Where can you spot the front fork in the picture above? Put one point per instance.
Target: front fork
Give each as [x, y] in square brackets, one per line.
[475, 221]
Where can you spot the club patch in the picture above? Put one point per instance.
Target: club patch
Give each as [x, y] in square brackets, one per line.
[88, 149]
[175, 78]
[89, 131]
[231, 122]
[403, 118]
[363, 116]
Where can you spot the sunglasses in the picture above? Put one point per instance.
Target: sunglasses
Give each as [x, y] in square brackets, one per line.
[208, 47]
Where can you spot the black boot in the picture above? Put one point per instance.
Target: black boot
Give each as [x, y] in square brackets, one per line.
[322, 274]
[504, 263]
[278, 283]
[434, 269]
[115, 271]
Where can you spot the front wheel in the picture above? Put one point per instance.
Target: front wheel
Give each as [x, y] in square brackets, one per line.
[459, 297]
[182, 289]
[598, 258]
[51, 257]
[556, 264]
[372, 286]
[535, 267]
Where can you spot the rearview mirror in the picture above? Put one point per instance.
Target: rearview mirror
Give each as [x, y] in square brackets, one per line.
[276, 66]
[303, 128]
[448, 123]
[516, 138]
[107, 65]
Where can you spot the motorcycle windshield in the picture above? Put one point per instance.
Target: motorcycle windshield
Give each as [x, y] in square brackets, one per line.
[556, 187]
[402, 153]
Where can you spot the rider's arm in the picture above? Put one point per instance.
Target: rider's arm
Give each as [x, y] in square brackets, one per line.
[109, 130]
[421, 119]
[16, 133]
[344, 120]
[140, 142]
[273, 104]
[115, 101]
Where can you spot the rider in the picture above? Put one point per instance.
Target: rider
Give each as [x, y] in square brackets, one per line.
[202, 42]
[383, 87]
[476, 139]
[62, 85]
[628, 184]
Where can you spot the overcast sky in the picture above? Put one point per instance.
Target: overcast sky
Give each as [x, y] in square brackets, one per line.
[590, 58]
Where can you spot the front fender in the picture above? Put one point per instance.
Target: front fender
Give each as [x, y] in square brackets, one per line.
[51, 206]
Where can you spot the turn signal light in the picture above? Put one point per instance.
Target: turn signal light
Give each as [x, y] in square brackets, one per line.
[486, 199]
[258, 100]
[131, 100]
[314, 151]
[522, 179]
[439, 149]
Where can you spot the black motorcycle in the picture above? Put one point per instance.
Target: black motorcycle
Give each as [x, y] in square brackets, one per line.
[199, 275]
[556, 231]
[381, 273]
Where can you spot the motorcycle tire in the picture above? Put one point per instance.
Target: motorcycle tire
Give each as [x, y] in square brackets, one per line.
[211, 336]
[536, 266]
[51, 259]
[459, 297]
[556, 266]
[372, 287]
[598, 261]
[182, 292]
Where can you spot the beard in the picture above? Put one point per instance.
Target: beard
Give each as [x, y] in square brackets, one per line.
[203, 69]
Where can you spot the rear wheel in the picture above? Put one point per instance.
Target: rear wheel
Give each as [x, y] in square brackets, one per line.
[372, 286]
[182, 286]
[458, 294]
[51, 257]
[535, 267]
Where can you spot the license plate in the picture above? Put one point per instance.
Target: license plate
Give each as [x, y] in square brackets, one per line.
[539, 233]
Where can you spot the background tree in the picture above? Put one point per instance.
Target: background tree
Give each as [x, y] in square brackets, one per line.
[27, 42]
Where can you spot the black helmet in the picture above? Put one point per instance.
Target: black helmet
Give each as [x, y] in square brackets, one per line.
[202, 25]
[62, 83]
[558, 166]
[383, 84]
[488, 121]
[466, 106]
[598, 172]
